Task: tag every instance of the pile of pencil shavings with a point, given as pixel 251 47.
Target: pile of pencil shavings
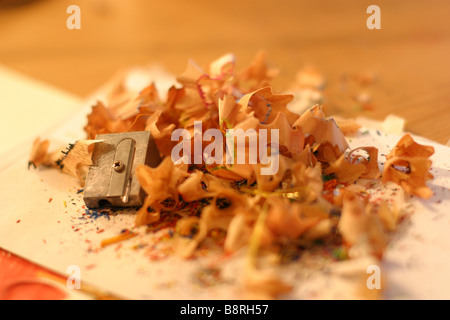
pixel 313 197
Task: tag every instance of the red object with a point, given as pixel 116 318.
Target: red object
pixel 19 280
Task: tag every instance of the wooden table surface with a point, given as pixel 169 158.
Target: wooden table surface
pixel 409 55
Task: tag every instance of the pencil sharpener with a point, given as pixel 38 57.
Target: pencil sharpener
pixel 111 181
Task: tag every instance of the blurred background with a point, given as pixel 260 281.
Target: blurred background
pixel 403 68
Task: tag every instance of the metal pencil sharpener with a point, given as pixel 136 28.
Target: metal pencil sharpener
pixel 111 180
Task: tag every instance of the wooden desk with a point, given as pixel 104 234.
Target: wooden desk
pixel 409 55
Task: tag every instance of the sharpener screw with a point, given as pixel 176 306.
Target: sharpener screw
pixel 118 166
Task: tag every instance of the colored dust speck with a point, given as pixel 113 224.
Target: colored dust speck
pixel 95 214
pixel 160 246
pixel 339 254
pixel 208 277
pixel 368 106
pixel 139 246
pixel 166 285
